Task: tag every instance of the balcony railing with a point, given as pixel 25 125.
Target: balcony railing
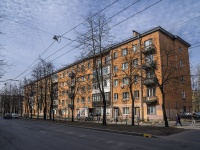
pixel 148 65
pixel 100 103
pixel 150 81
pixel 149 49
pixel 150 100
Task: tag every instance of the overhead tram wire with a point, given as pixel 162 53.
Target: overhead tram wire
pixel 35 24
pixel 109 19
pixel 86 19
pixel 26 25
pixel 82 23
pixel 66 33
pixel 113 26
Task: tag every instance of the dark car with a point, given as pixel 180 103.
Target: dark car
pixel 197 115
pixel 186 115
pixel 7 116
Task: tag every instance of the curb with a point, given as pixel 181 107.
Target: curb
pixel 105 130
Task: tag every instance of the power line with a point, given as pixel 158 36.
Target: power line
pixel 25 25
pixel 86 19
pixel 35 24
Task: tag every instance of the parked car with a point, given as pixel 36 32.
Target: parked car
pixel 7 116
pixel 197 115
pixel 14 115
pixel 186 115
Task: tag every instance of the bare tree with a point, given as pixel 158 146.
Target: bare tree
pixel 93 43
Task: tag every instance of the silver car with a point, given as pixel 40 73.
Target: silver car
pixel 14 115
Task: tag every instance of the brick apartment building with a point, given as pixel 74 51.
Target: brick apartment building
pixel 146 59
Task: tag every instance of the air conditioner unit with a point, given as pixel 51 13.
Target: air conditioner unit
pixel 122 86
pixel 114 74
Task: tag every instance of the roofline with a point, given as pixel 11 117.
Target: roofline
pixel 107 50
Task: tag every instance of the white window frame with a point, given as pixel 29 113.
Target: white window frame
pixel 151 92
pixel 183 94
pixel 115 69
pixel 124 52
pixel 151 110
pixel 115 82
pixel 115 55
pixel 115 96
pixel 125 81
pixel 126 111
pixel 134 47
pixel 125 66
pixel 125 95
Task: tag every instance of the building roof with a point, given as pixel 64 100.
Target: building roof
pixel 107 50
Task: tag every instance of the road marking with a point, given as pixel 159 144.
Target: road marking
pixel 82 136
pixel 42 132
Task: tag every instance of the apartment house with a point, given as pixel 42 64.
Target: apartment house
pixel 138 75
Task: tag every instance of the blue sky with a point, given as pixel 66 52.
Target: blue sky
pixel 23 43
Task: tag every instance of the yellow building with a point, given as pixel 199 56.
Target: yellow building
pixel 145 67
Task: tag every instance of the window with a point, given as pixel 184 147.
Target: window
pixel 95 86
pixel 88 87
pixel 151 92
pixel 107 60
pixel 148 43
pixel 77 67
pixel 125 95
pixel 126 110
pixel 83 89
pixel 125 66
pixel 180 49
pixel 135 63
pixel 181 63
pixel 107 95
pixel 88 65
pixel 135 78
pixel 115 55
pixel 115 68
pixel 83 99
pixel 88 76
pixel 136 93
pixel 183 94
pixel 63 102
pixel 151 110
pixel 115 82
pixel 125 81
pixel 124 52
pixel 77 100
pixel 82 67
pixel 104 83
pixel 115 96
pixel 83 78
pixel 88 99
pixel 134 48
pixel 184 108
pixel 182 78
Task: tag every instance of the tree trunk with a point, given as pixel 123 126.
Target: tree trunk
pixel 132 98
pixel 104 111
pixel 164 112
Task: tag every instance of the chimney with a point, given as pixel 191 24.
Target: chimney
pixel 135 33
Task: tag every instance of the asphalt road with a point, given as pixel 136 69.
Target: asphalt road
pixel 24 134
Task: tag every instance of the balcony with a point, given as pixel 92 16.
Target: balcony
pixel 150 100
pixel 100 103
pixel 150 81
pixel 149 49
pixel 149 65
